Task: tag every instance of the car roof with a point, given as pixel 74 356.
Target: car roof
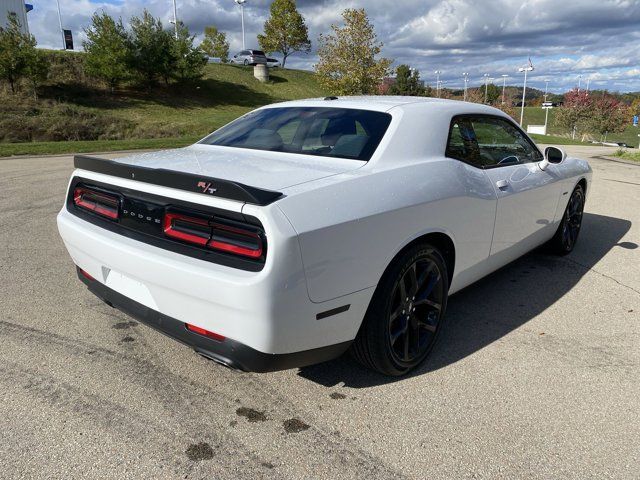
pixel 384 103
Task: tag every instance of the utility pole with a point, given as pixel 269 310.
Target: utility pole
pixel 64 44
pixel 466 82
pixel 504 85
pixel 528 68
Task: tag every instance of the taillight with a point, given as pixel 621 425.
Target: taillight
pixel 202 331
pixel 97 202
pixel 186 228
pixel 225 236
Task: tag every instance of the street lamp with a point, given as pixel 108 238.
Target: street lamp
pixel 546 107
pixel 588 82
pixel 241 4
pixel 504 85
pixel 528 68
pixel 466 82
pixel 438 72
pixel 486 86
pixel 64 44
pixel 175 19
pixel 579 82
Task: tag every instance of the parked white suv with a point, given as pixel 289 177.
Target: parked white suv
pixel 250 57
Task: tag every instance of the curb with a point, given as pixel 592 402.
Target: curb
pixel 618 160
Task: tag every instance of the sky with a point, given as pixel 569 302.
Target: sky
pixel 569 41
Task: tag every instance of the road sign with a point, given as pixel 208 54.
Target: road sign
pixel 635 120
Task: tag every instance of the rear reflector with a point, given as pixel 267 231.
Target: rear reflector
pixel 97 202
pixel 86 275
pixel 206 333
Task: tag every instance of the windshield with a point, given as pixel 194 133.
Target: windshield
pixel 323 131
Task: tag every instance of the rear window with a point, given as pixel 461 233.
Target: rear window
pixel 322 131
pixel 257 52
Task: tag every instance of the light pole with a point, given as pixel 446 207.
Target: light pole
pixel 466 82
pixel 64 44
pixel 486 86
pixel 175 19
pixel 588 82
pixel 579 82
pixel 504 85
pixel 241 3
pixel 437 72
pixel 528 68
pixel 546 107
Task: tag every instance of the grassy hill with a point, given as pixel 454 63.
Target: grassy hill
pixel 132 118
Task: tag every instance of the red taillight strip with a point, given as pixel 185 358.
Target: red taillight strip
pixel 97 202
pixel 233 248
pixel 169 228
pixel 206 333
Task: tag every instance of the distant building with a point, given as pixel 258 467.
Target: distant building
pixel 7 7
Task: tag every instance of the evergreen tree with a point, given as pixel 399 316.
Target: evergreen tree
pixel 189 60
pixel 107 50
pixel 15 48
pixel 152 53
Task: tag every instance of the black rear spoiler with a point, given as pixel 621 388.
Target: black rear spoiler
pixel 182 181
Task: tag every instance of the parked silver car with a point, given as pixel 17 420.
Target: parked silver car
pixel 250 57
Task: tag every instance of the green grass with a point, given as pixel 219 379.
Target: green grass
pixel 633 155
pixel 52 148
pixel 555 140
pixel 535 116
pixel 223 94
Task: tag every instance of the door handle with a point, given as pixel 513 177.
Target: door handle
pixel 502 184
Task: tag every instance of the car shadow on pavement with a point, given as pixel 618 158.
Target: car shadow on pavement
pixel 496 305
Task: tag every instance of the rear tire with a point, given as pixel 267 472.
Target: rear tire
pixel 566 236
pixel 246 62
pixel 405 315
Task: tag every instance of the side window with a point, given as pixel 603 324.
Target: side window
pixel 462 143
pixel 500 143
pixel 486 142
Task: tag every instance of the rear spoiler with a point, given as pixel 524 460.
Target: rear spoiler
pixel 180 180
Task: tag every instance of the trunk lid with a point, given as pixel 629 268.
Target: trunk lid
pixel 256 168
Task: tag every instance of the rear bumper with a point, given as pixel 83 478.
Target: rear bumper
pixel 227 352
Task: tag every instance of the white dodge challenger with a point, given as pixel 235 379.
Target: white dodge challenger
pixel 307 228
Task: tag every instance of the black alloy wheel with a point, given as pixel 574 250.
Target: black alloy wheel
pixel 405 315
pixel 566 236
pixel 415 311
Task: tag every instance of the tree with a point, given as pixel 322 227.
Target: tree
pixel 215 44
pixel 189 60
pixel 152 53
pixel 36 68
pixel 493 93
pixel 285 31
pixel 347 58
pixel 635 106
pixel 107 50
pixel 407 82
pixel 575 112
pixel 15 48
pixel 608 115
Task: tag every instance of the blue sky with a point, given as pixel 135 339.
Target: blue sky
pixel 597 40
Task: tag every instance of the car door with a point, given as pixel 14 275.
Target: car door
pixel 527 195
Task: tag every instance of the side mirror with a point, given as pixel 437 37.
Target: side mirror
pixel 552 155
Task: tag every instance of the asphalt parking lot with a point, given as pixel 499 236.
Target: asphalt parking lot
pixel 537 375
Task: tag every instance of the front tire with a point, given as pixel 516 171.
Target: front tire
pixel 566 236
pixel 405 315
pixel 246 62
